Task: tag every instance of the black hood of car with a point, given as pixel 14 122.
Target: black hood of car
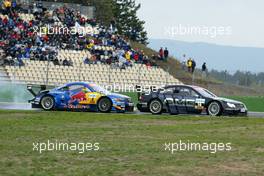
pixel 228 100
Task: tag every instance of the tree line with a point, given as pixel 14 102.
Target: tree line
pixel 243 78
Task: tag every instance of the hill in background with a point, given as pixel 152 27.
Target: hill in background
pixel 217 57
pixel 218 87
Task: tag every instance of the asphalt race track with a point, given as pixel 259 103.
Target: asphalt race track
pixel 15 106
pixel 27 106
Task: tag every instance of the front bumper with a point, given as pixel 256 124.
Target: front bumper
pixel 237 112
pixel 124 107
pixel 142 107
pixel 129 108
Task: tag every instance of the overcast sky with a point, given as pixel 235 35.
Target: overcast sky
pixel 242 20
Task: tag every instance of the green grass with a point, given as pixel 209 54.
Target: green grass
pixel 252 103
pixel 129 144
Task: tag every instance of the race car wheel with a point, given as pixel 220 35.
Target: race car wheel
pixel 47 103
pixel 155 107
pixel 214 109
pixel 104 105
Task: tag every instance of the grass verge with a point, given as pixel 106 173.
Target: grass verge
pixel 129 144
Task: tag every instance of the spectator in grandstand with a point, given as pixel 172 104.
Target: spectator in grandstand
pixel 128 55
pixel 10 61
pixel 14 5
pixel 109 60
pixel 147 61
pixel 20 62
pixel 65 62
pixel 7 5
pixel 161 54
pixel 113 26
pixel 166 53
pixel 86 60
pixel 93 59
pixel 136 57
pixel 128 64
pixel 56 61
pixel 91 22
pixel 37 11
pixel 141 56
pixel 6 62
pixel 189 65
pixel 90 45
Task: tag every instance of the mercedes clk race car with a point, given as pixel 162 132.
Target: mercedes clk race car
pixel 184 99
pixel 81 96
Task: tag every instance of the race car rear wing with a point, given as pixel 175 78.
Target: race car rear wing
pixel 35 89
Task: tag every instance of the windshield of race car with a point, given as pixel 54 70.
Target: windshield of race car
pixel 97 88
pixel 204 92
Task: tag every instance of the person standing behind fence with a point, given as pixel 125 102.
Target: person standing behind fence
pixel 189 65
pixel 161 53
pixel 166 54
pixel 204 71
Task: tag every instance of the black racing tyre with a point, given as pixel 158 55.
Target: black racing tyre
pixel 47 103
pixel 104 105
pixel 214 109
pixel 155 106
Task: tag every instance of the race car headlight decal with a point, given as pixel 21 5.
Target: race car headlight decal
pixel 231 105
pixel 119 99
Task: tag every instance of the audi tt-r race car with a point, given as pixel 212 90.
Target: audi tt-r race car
pixel 184 99
pixel 81 96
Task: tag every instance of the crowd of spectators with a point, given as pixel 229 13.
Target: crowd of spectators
pixel 190 66
pixel 20 39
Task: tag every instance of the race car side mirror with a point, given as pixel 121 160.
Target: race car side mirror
pixel 29 87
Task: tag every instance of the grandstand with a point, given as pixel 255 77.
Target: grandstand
pixel 121 71
pixel 42 72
